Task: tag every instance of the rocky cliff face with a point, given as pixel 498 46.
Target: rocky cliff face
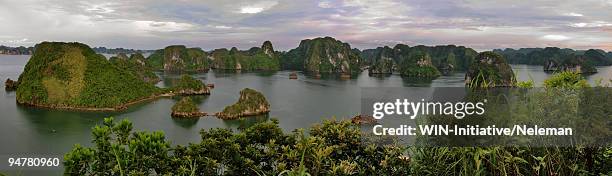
pixel 178 58
pixel 382 62
pixel 322 55
pixel 256 58
pixel 250 103
pixel 490 70
pixel 572 63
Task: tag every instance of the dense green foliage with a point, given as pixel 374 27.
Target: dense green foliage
pixel 418 64
pixel 490 70
pixel 322 55
pixel 73 75
pixel 135 64
pixel 178 58
pixel 539 56
pixel 188 82
pixel 251 102
pixel 263 58
pixel 444 58
pixel 566 80
pixel 331 148
pixel 185 105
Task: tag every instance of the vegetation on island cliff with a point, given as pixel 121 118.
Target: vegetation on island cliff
pixel 490 70
pixel 322 55
pixel 264 58
pixel 178 58
pixel 69 75
pixel 418 64
pixel 445 59
pixel 186 108
pixel 251 102
pixel 188 85
pixel 136 65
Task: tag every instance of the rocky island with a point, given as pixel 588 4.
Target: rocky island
pixel 185 108
pixel 490 70
pixel 136 65
pixel 178 58
pixel 72 76
pixel 264 58
pixel 322 55
pixel 10 85
pixel 250 103
pixel 445 59
pixel 188 85
pixel 571 63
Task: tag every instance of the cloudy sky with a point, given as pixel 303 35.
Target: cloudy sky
pixel 480 24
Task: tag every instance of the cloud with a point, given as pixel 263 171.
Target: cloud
pixel 152 24
pixel 257 7
pixel 553 37
pixel 573 14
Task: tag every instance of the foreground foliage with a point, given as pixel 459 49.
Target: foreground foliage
pixel 331 148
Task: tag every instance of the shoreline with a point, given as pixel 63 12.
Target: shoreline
pixel 119 108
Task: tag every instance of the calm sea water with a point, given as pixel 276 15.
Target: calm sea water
pixel 296 103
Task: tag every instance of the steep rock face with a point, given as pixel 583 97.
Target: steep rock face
pixel 178 58
pixel 267 48
pixel 72 75
pixel 322 55
pixel 383 62
pixel 250 103
pixel 256 58
pixel 490 70
pixel 135 64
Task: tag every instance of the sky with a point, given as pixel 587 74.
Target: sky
pixel 210 24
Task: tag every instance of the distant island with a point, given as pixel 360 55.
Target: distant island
pixel 256 58
pixel 104 50
pixel 21 50
pixel 178 58
pixel 557 59
pixel 430 61
pixel 322 55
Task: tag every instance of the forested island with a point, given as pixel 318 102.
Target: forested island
pixel 72 76
pixel 250 103
pixel 557 59
pixel 256 58
pixel 178 58
pixel 418 61
pixel 322 55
